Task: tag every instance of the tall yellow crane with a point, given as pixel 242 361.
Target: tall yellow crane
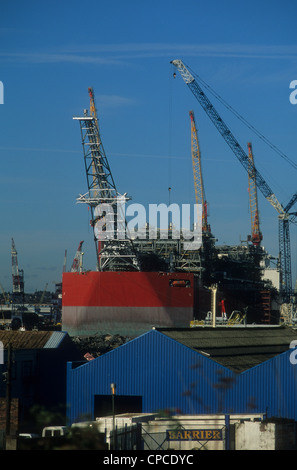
pixel 256 235
pixel 93 111
pixel 197 173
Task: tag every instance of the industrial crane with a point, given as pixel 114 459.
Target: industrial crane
pixel 285 249
pixel 114 249
pixel 6 299
pixel 256 236
pixel 93 112
pixel 17 274
pixel 65 261
pixel 197 172
pixel 283 212
pixel 77 261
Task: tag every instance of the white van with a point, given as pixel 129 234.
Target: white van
pixel 28 435
pixel 54 431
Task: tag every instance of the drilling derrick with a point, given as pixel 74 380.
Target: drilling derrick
pixel 114 249
pixel 17 274
pixel 256 236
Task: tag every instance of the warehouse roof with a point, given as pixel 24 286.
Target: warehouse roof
pixel 237 348
pixel 31 339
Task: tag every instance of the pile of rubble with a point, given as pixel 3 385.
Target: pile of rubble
pixel 96 345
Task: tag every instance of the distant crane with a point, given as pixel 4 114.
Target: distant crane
pixel 17 274
pixel 43 293
pixel 256 236
pixel 77 263
pixel 197 172
pixel 6 299
pixel 65 261
pixel 283 212
pixel 285 249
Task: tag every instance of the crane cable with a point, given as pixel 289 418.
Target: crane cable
pixel 244 121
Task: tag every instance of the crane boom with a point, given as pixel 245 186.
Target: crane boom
pixel 253 197
pixel 227 134
pixel 76 264
pixel 93 109
pixel 197 171
pixel 291 203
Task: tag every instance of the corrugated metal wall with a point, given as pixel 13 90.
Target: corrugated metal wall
pixel 168 375
pixel 271 387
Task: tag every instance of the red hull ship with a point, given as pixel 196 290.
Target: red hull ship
pixel 127 303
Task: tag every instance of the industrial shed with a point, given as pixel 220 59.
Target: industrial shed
pixel 38 373
pixel 190 371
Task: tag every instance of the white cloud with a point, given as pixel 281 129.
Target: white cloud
pixel 118 54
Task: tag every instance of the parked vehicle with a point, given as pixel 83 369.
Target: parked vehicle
pixel 54 431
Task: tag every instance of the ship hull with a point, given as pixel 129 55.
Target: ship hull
pixel 126 303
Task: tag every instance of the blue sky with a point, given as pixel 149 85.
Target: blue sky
pixel 51 52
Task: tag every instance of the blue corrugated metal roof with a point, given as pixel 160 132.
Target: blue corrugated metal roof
pixel 170 375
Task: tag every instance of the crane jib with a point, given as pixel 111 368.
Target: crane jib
pixel 227 134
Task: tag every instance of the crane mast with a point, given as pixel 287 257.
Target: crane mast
pixel 17 274
pixel 197 172
pixel 283 212
pixel 77 261
pixel 93 109
pixel 256 236
pixel 285 250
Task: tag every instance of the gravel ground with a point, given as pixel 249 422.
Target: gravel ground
pixel 97 345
